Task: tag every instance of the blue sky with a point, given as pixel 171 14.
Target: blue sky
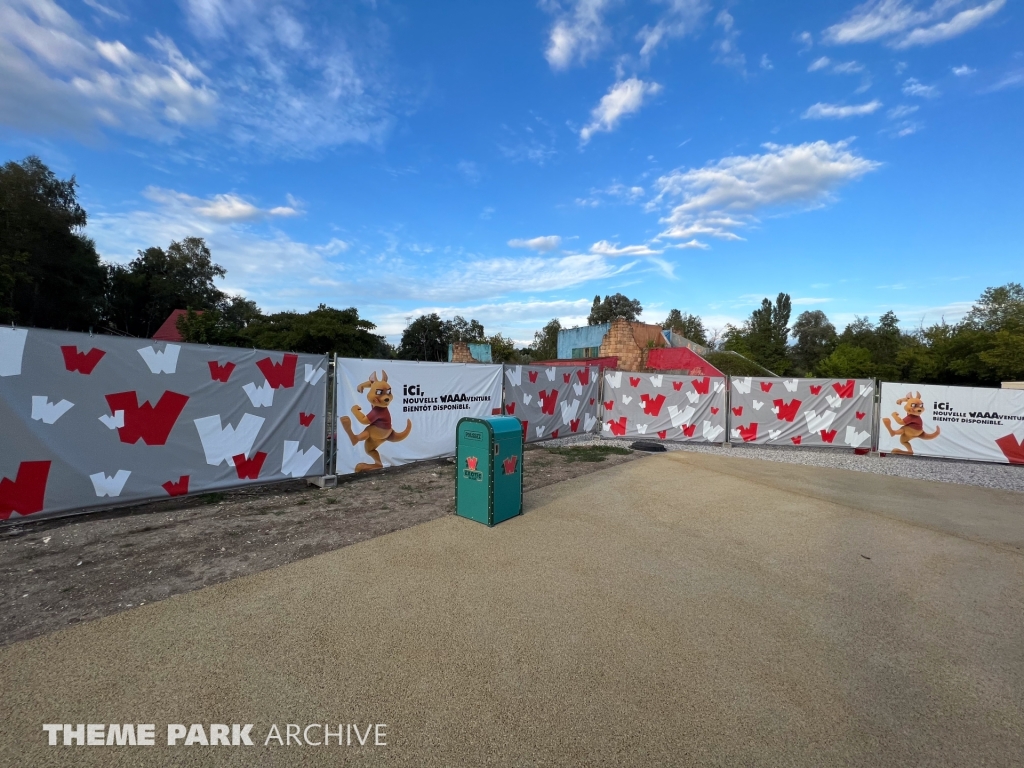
pixel 509 160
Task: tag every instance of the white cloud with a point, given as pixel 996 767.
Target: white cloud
pixel 822 111
pixel 913 87
pixel 903 25
pixel 766 63
pixel 848 68
pixel 806 40
pixel 605 248
pixel 105 10
pixel 963 71
pixel 728 51
pixel 623 98
pixel 724 196
pixel 681 18
pixel 695 243
pixel 278 272
pixel 819 63
pixel 578 34
pixel 901 111
pixel 615 192
pixel 56 76
pixel 1011 79
pixel 225 207
pixel 962 22
pixel 470 171
pixel 539 244
pixel 806 301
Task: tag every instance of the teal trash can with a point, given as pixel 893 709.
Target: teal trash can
pixel 489 469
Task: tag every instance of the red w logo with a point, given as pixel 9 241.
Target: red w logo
pixel 677 385
pixel 471 462
pixel 583 374
pixel 83 362
pixel 305 419
pixel 702 386
pixel 279 374
pixel 688 431
pixel 25 494
pixel 548 401
pixel 220 372
pixel 828 435
pixel 766 386
pixel 574 424
pixel 533 376
pixel 510 408
pixel 179 488
pixel 749 434
pixel 618 427
pixel 844 390
pixel 566 377
pixel 249 469
pixel 1012 450
pixel 510 465
pixel 652 406
pixel 815 389
pixel 787 411
pixel 634 381
pixel 152 424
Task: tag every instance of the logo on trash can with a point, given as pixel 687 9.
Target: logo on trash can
pixel 510 465
pixel 470 472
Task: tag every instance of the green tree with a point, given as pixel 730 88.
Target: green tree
pixel 616 305
pixel 143 293
pixel 424 338
pixel 815 338
pixel 764 337
pixel 324 330
pixel 686 325
pixel 846 362
pixel 545 341
pixel 461 329
pixel 50 273
pixel 503 349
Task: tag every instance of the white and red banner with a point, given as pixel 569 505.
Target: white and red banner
pixel 952 422
pixel 552 401
pixel 663 407
pixel 806 412
pixel 395 412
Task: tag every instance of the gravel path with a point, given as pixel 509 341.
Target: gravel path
pixel 1003 476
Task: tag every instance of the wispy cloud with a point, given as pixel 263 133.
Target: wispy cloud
pixel 57 77
pixel 902 25
pixel 578 33
pixel 619 193
pixel 914 87
pixel 1012 79
pixel 681 17
pixel 901 111
pixel 819 63
pixel 822 111
pixel 605 248
pixel 727 48
pixel 624 98
pixel 540 244
pixel 224 207
pixel 964 71
pixel 722 197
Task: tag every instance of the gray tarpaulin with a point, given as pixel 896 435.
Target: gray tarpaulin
pixel 552 401
pixel 817 412
pixel 663 407
pixel 88 421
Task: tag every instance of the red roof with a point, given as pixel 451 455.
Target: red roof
pixel 680 358
pixel 169 330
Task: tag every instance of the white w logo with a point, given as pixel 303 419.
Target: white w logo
pixel 165 361
pixel 221 443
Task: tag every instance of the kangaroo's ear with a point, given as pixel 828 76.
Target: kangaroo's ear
pixel 373 377
pixel 918 395
pixel 383 375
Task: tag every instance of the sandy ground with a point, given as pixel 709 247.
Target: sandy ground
pixel 60 572
pixel 681 610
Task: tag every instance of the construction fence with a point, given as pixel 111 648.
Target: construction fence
pixel 95 421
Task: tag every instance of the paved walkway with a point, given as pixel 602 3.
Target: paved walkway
pixel 680 610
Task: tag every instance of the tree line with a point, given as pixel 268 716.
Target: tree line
pixel 52 277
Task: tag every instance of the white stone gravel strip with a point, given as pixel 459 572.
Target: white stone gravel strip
pixel 1003 476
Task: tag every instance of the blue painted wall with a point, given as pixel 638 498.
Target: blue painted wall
pixel 479 352
pixel 574 338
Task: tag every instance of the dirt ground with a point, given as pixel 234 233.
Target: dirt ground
pixel 60 572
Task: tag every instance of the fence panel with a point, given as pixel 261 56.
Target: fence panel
pixel 91 421
pixel 552 401
pixel 814 412
pixel 678 408
pixel 395 412
pixel 952 422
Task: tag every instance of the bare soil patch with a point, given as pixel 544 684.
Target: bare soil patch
pixel 60 572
